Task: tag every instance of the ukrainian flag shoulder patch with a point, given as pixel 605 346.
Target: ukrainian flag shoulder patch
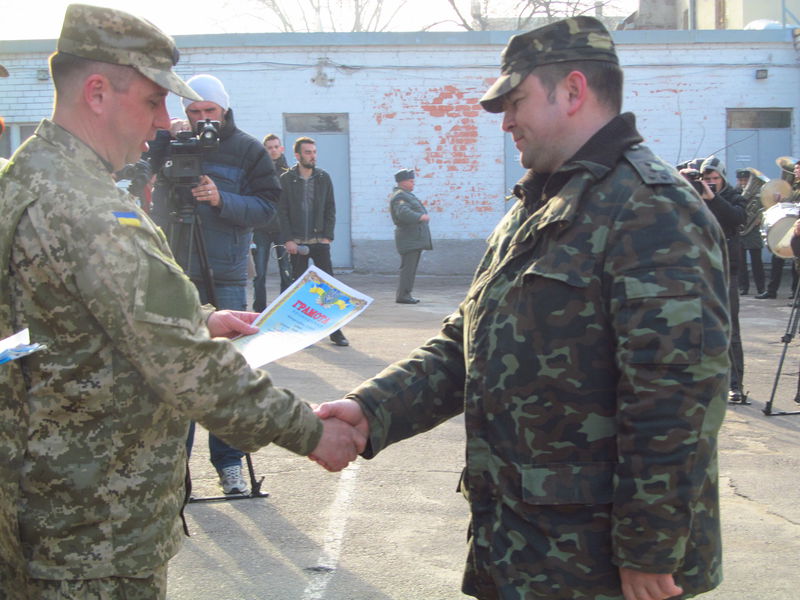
pixel 131 219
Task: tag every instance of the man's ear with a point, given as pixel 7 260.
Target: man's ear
pixel 577 90
pixel 96 90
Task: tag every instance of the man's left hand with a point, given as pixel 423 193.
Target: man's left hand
pixel 230 323
pixel 638 585
pixel 206 191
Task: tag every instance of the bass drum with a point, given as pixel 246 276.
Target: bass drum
pixel 778 227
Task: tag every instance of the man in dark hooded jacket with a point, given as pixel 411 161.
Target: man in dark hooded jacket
pixel 237 192
pixel 728 206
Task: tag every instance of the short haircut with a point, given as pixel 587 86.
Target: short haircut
pixel 298 143
pixel 269 137
pixel 604 78
pixel 68 70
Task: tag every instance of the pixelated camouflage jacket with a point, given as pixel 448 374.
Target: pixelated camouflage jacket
pixel 590 360
pixel 104 411
pixel 410 233
pixel 13 421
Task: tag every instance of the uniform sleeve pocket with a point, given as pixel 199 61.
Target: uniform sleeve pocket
pixel 164 295
pixel 568 483
pixel 665 331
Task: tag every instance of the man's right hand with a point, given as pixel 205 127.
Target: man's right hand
pixel 291 247
pixel 339 445
pixel 346 410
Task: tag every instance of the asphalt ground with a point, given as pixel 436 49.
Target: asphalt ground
pixel 395 528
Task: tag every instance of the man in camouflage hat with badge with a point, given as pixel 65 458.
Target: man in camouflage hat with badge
pixel 589 357
pixel 93 428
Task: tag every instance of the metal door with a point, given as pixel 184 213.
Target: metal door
pixel 331 133
pixel 755 138
pixel 757 148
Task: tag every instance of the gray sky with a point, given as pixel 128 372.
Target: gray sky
pixel 41 19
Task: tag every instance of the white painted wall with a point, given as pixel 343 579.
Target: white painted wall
pixel 412 101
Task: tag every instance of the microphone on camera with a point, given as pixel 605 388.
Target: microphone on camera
pixel 302 249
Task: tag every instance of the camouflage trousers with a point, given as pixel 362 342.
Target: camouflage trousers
pixel 146 586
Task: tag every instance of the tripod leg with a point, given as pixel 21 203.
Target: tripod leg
pixel 791 329
pixel 797 395
pixel 205 266
pixel 188 235
pixel 255 486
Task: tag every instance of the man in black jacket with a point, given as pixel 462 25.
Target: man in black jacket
pixel 237 191
pixel 308 215
pixel 267 238
pixel 728 206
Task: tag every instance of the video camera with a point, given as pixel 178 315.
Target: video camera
pixel 138 174
pixel 178 162
pixel 183 163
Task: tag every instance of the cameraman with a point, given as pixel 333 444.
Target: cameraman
pixel 728 206
pixel 237 191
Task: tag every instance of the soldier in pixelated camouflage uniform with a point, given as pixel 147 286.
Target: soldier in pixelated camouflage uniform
pixel 589 356
pixel 93 429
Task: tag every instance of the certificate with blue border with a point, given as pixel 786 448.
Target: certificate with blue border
pixel 313 307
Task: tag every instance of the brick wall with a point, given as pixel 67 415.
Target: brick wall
pixel 412 100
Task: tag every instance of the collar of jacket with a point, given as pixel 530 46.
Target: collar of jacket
pixel 71 145
pixel 593 160
pixel 229 127
pixel 294 171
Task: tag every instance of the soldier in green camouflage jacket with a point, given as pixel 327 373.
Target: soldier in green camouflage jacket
pixel 589 356
pixel 93 429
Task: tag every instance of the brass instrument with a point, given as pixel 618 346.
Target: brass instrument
pixel 787 163
pixel 754 209
pixel 775 187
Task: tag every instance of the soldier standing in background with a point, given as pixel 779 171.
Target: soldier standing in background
pixel 589 357
pixel 790 172
pixel 411 235
pixel 748 185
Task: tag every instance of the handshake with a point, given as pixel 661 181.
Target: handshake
pixel 344 427
pixel 344 434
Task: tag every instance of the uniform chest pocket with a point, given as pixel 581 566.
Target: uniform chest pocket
pixel 565 264
pixel 164 294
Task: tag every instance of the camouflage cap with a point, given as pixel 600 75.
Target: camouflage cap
pixel 576 38
pixel 403 175
pixel 116 37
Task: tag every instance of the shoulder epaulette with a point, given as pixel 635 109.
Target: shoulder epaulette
pixel 650 168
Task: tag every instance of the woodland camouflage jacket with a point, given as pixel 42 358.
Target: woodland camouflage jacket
pixel 590 360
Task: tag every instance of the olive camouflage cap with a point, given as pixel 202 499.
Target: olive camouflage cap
pixel 576 38
pixel 403 175
pixel 116 37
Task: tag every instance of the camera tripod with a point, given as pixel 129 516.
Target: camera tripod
pixel 791 329
pixel 185 236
